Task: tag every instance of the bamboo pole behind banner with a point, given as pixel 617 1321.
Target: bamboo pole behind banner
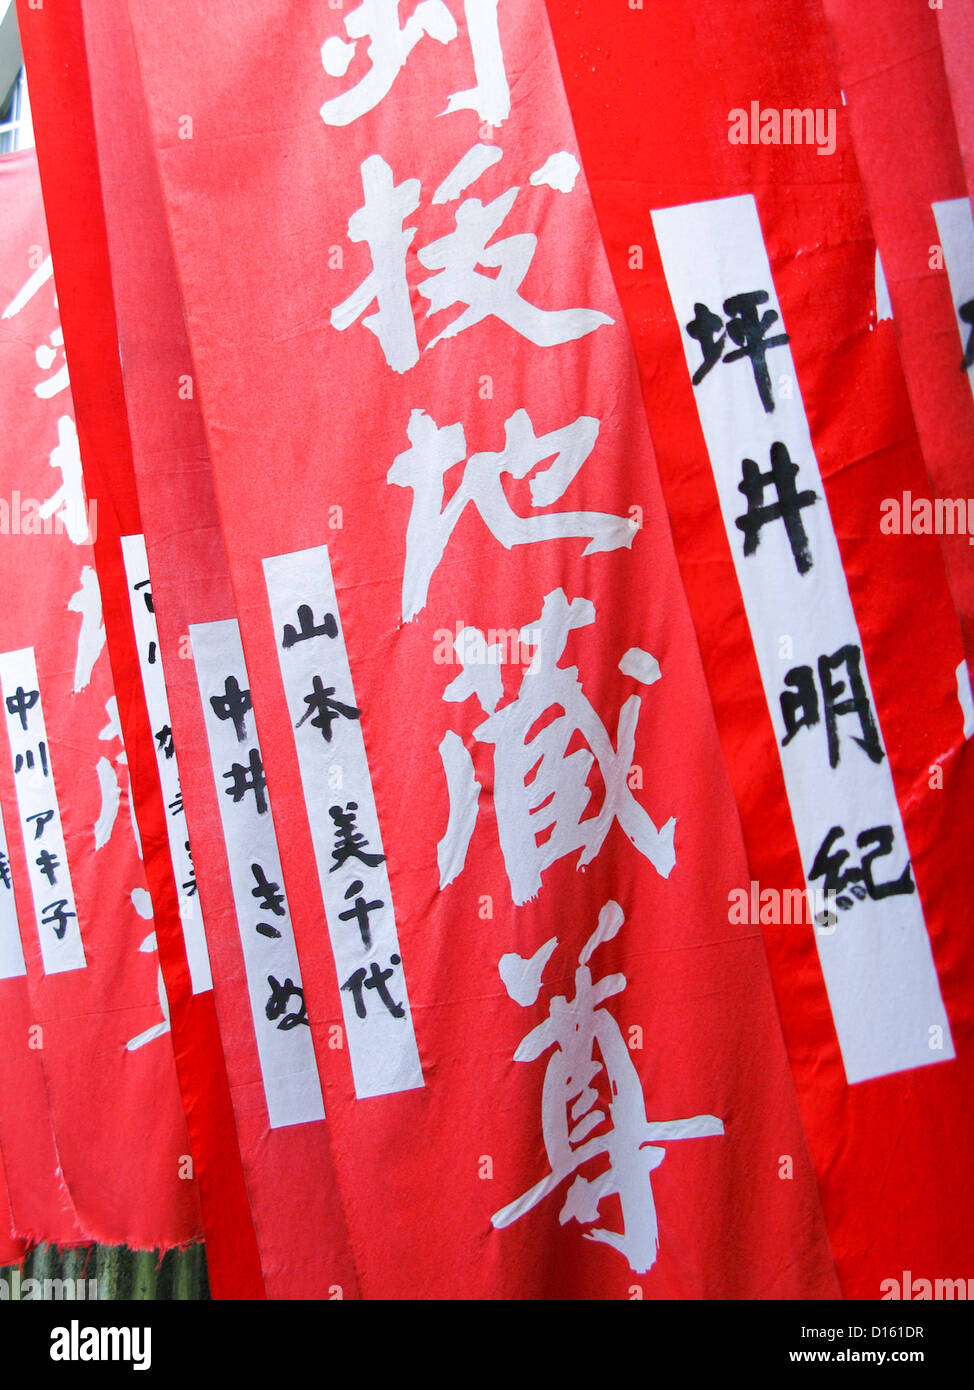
pixel 109 1273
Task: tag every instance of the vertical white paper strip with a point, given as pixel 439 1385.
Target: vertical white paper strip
pixel 12 963
pixel 876 959
pixel 955 227
pixel 292 1087
pixel 58 928
pixel 344 824
pixel 157 703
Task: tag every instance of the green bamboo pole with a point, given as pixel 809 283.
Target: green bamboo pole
pixel 118 1272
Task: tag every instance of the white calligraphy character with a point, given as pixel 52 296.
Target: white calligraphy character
pixel 91 636
pixel 380 223
pixel 456 256
pixel 45 356
pixel 434 451
pixel 390 45
pixel 143 906
pixel 539 787
pixel 575 1126
pixel 112 786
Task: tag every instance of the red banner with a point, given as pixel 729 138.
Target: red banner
pixel 891 63
pixel 737 231
pixel 480 678
pixel 510 839
pixel 39 1202
pixel 85 944
pixel 11 1249
pixel 956 25
pixel 278 1107
pixel 54 48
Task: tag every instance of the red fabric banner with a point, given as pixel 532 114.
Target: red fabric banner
pixel 891 63
pixel 39 1202
pixel 738 237
pixel 11 1249
pixel 97 1017
pixel 56 61
pixel 510 837
pixel 956 24
pixel 300 1228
